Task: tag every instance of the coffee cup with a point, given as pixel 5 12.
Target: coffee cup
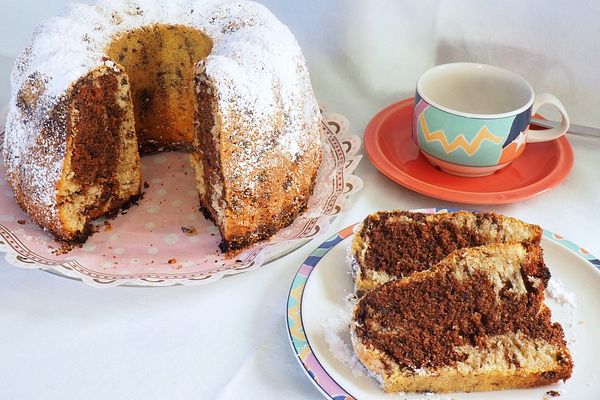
pixel 472 119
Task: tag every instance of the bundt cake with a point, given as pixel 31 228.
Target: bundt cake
pixel 393 244
pixel 224 81
pixel 475 321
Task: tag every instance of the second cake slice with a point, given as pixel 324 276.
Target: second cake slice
pixel 394 244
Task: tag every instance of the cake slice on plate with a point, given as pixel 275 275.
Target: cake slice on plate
pixel 475 321
pixel 394 244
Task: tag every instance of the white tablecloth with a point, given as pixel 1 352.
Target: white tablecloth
pixel 60 339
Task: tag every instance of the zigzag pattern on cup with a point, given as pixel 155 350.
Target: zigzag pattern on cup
pixel 459 142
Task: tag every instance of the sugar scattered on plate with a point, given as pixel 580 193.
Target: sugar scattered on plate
pixel 557 292
pixel 435 396
pixel 336 329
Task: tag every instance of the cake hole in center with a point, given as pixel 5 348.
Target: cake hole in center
pixel 160 61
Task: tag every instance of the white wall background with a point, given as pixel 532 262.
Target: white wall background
pixel 365 54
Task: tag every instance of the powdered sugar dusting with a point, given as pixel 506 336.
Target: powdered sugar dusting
pixel 259 67
pixel 557 292
pixel 434 396
pixel 336 330
pixel 256 68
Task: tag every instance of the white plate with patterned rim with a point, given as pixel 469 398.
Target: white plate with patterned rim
pixel 316 305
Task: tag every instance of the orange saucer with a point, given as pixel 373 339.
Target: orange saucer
pixel 389 145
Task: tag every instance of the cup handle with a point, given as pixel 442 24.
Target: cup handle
pixel 534 136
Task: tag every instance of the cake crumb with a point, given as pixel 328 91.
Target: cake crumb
pixel 107 226
pixel 134 201
pixel 189 230
pixel 21 222
pixel 146 185
pixel 173 263
pixel 551 393
pixel 63 248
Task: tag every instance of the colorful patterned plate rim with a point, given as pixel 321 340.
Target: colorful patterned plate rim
pixel 321 372
pixel 164 240
pixel 389 146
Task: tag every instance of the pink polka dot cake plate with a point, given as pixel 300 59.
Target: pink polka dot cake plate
pixel 164 239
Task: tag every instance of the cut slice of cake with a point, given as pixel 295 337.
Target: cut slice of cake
pixel 394 244
pixel 475 321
